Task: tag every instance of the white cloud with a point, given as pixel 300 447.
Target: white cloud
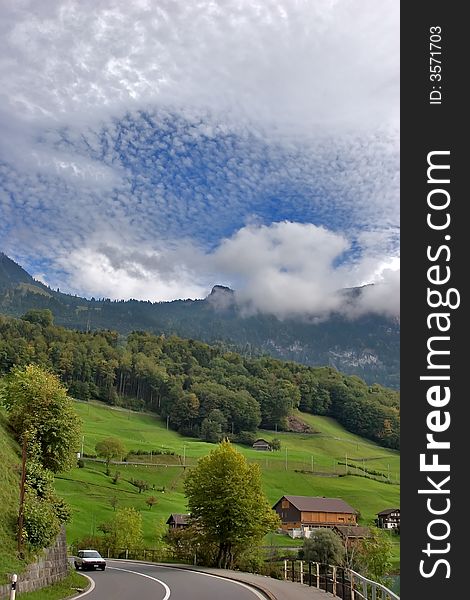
pixel 286 269
pixel 290 269
pixel 300 65
pixel 140 138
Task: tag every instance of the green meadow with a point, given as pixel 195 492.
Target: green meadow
pixel 307 464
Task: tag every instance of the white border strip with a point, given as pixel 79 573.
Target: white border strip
pixel 166 588
pixel 252 589
pixel 89 590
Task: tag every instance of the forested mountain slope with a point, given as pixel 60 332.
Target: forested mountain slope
pixel 367 346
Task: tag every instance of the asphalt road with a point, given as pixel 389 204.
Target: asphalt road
pixel 124 580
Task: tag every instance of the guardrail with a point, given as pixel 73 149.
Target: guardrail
pixel 339 581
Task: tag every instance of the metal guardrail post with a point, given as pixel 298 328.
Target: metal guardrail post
pixel 293 570
pixel 310 573
pixel 285 568
pixel 334 580
pixel 301 571
pixel 353 594
pixel 318 575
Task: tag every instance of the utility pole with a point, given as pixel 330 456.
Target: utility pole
pixel 167 421
pixel 313 463
pixel 286 459
pixel 22 489
pixel 184 456
pixel 83 441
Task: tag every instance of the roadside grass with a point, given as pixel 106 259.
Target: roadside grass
pixel 66 588
pixel 9 502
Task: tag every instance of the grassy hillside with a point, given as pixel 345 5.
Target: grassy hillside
pixel 9 498
pixel 89 490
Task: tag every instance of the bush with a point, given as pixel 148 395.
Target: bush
pixel 323 546
pixel 246 438
pixel 41 523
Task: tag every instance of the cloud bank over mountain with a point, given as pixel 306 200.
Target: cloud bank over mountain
pixel 151 150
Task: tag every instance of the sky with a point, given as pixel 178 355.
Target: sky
pixel 153 149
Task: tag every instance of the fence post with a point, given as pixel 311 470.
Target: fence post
pixel 285 568
pixel 127 553
pixel 364 589
pixel 293 570
pixel 334 580
pixel 343 594
pixel 318 575
pixel 352 585
pixel 14 579
pixel 301 571
pixel 310 573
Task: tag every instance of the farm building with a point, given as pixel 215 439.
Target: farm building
pixel 304 513
pixel 389 519
pixel 261 444
pixel 177 521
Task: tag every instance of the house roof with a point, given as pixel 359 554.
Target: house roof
pixel 351 531
pixel 178 519
pixel 319 504
pixel 261 441
pixel 387 511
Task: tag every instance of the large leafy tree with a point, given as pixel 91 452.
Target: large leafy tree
pixel 225 498
pixel 41 412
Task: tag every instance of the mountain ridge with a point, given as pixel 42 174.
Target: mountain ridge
pixel 367 346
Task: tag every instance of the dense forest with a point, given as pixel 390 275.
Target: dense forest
pixel 367 346
pixel 204 391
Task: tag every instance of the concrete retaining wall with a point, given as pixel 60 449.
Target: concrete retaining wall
pixel 50 567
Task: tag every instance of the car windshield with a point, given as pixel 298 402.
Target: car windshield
pixel 91 554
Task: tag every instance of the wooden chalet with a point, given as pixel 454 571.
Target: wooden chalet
pixel 177 521
pixel 261 444
pixel 389 519
pixel 309 512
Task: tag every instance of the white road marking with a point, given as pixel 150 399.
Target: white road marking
pixel 166 588
pixel 246 586
pixel 90 589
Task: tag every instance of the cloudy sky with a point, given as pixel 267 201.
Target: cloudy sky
pixel 152 149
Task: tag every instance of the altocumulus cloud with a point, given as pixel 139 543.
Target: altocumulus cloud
pixel 150 150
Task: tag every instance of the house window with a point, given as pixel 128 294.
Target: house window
pixel 285 504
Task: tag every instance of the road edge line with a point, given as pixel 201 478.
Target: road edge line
pixel 255 586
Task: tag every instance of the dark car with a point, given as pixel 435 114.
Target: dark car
pixel 89 559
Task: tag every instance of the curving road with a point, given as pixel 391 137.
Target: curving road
pixel 124 580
